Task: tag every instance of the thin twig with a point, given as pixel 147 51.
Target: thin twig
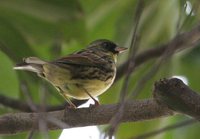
pixel 42 124
pixel 164 129
pixel 29 100
pixel 23 106
pixel 57 122
pixel 195 5
pixel 181 42
pixel 42 120
pixel 141 83
pixel 31 133
pixel 114 122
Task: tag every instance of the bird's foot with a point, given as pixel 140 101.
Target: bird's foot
pixel 69 107
pixel 96 103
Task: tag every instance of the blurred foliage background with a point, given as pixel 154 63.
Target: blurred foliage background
pixel 52 28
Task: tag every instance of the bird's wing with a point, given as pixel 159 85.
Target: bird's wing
pixel 84 59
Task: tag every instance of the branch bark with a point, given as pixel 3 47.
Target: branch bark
pixel 134 111
pixel 169 95
pixel 177 96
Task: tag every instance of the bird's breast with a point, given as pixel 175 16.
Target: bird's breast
pixel 93 73
pixel 95 88
pixel 94 85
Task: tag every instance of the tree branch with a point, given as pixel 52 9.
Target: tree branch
pixel 135 111
pixel 169 95
pixel 177 96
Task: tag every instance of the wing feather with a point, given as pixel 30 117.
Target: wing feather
pixel 82 59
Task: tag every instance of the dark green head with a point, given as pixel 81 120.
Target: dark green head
pixel 106 46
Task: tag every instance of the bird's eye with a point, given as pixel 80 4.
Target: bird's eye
pixel 105 44
pixel 109 46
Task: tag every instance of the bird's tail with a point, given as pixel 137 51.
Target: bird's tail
pixel 33 64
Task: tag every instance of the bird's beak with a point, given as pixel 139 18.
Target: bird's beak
pixel 120 49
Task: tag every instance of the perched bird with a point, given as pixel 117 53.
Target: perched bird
pixel 81 75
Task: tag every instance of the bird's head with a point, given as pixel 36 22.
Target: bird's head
pixel 106 46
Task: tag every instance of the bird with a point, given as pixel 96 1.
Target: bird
pixel 81 75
